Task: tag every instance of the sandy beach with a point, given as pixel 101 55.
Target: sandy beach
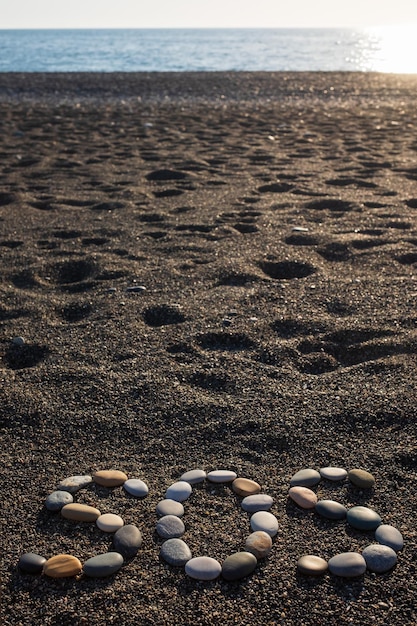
pixel 211 271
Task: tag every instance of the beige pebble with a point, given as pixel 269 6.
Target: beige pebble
pixel 62 566
pixel 109 522
pixel 259 543
pixel 245 487
pixel 303 496
pixel 311 565
pixel 361 478
pixel 80 512
pixel 109 478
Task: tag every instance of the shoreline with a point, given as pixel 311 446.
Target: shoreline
pixel 200 87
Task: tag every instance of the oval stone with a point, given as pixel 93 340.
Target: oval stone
pixel 347 564
pixel 74 483
pixel 379 558
pixel 103 565
pixel 259 543
pixel 170 526
pixel 310 565
pixel 362 479
pixel 303 496
pixel 194 476
pixel 263 520
pixel 245 487
pixel 169 507
pixel 62 566
pixel 258 502
pixel 109 478
pixel 221 476
pixel 239 565
pixel 305 478
pixel 175 552
pixel 333 473
pixel 330 509
pixel 109 522
pixel 127 540
pixel 57 499
pixel 31 563
pixel 80 512
pixel 179 491
pixel 389 536
pixel 362 518
pixel 136 487
pixel 203 568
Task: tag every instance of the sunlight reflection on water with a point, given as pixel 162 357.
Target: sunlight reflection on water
pixel 389 49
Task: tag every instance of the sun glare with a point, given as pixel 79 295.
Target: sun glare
pixel 392 49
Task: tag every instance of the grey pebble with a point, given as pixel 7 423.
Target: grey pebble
pixel 31 563
pixel 127 540
pixel 136 289
pixel 57 499
pixel 305 478
pixel 239 565
pixel 170 526
pixel 194 476
pixel 74 483
pixel 257 502
pixel 379 559
pixel 347 565
pixel 389 536
pixel 175 552
pixel 203 568
pixel 169 507
pixel 330 509
pixel 103 565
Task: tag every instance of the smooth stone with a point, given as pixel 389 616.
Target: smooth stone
pixel 361 478
pixel 170 526
pixel 347 564
pixel 109 478
pixel 74 483
pixel 305 478
pixel 127 540
pixel 57 499
pixel 136 487
pixel 62 566
pixel 245 487
pixel 203 568
pixel 103 565
pixel 379 558
pixel 259 543
pixel 194 476
pixel 80 512
pixel 169 507
pixel 109 522
pixel 333 473
pixel 310 565
pixel 362 518
pixel 175 552
pixel 239 565
pixel 18 341
pixel 263 520
pixel 31 563
pixel 258 502
pixel 221 476
pixel 389 536
pixel 331 509
pixel 179 491
pixel 303 496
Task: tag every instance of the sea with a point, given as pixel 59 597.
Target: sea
pixel 384 49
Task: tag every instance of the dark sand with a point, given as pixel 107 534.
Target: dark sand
pixel 254 348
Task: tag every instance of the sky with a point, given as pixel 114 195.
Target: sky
pixel 204 13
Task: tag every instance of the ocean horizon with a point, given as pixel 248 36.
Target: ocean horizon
pixel 206 49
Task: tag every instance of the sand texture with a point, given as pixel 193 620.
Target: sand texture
pixel 272 220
